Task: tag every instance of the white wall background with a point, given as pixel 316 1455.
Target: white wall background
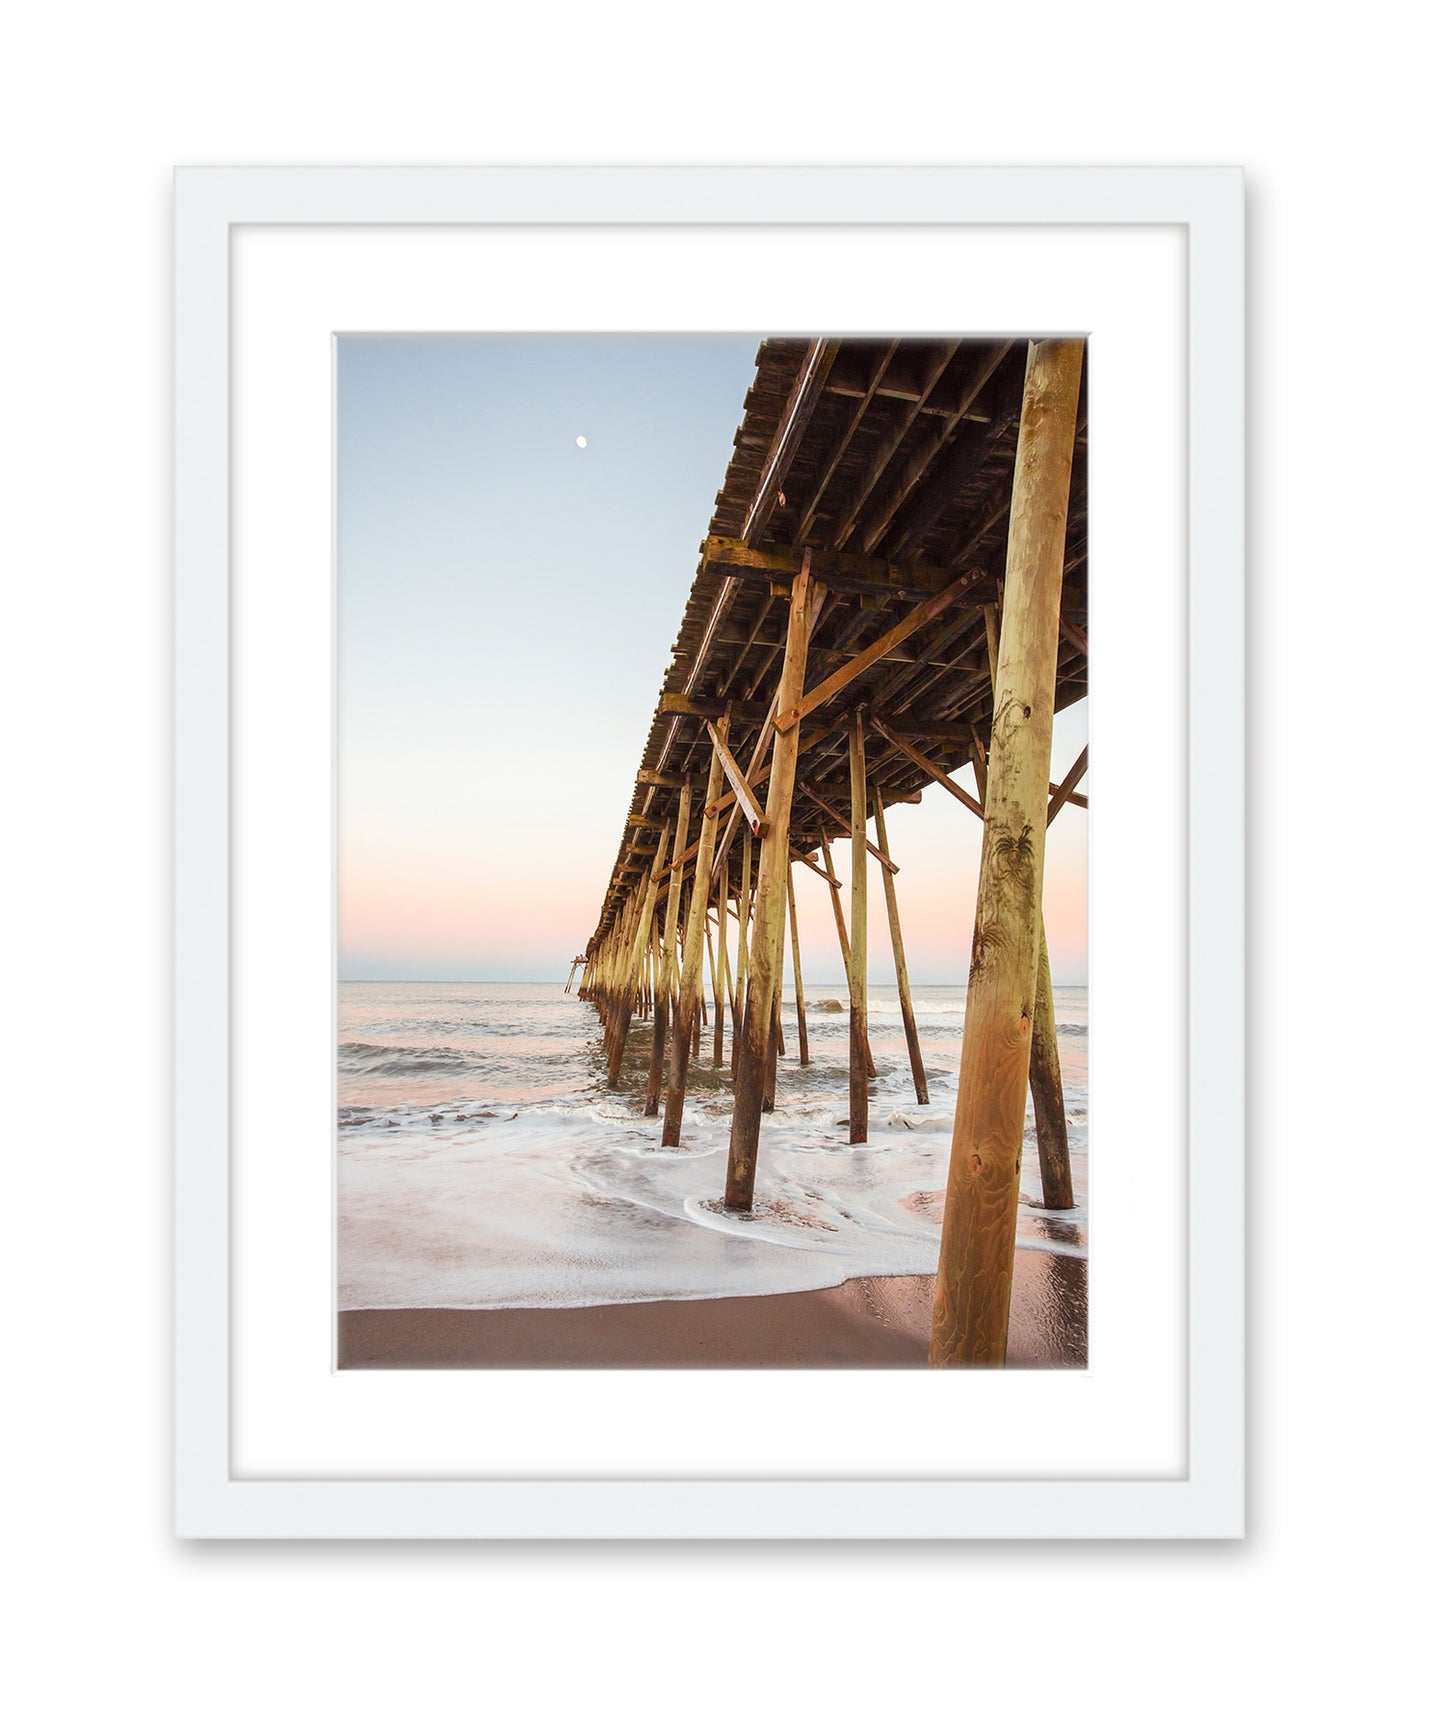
pixel 1319 1620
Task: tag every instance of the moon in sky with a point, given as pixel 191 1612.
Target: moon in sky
pixel 582 439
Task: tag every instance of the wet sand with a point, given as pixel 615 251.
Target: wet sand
pixel 876 1321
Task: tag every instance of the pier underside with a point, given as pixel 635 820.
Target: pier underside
pixel 891 594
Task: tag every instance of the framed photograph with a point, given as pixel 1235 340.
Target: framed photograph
pixel 709 775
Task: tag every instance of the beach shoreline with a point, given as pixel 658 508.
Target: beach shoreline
pixel 866 1322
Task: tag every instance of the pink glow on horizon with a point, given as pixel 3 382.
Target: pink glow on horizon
pixel 485 909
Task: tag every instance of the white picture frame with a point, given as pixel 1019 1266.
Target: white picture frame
pixel 1206 1500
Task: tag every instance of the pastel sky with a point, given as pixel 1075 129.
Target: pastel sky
pixel 507 603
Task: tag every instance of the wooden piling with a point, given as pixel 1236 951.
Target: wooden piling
pixel 720 964
pixel 687 1031
pixel 610 1006
pixel 740 980
pixel 858 948
pixel 636 968
pixel 715 975
pixel 1046 1085
pixel 989 610
pixel 975 1271
pixel 732 997
pixel 843 941
pixel 979 755
pixel 797 972
pixel 611 996
pixel 765 952
pixel 1045 1080
pixel 666 982
pixel 839 920
pixel 900 966
pixel 775 1047
pixel 658 1061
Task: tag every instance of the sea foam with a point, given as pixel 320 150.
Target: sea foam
pixel 499 1171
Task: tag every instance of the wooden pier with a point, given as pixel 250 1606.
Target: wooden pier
pixel 892 593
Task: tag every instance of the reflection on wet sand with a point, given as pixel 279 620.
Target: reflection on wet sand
pixel 1049 1317
pixel 879 1321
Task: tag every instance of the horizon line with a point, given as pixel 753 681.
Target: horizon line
pixel 553 981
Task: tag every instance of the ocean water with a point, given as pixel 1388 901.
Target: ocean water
pixel 483 1162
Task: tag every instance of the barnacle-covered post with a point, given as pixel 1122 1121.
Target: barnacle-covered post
pixel 975 1271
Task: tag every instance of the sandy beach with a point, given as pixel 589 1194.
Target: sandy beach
pixel 879 1321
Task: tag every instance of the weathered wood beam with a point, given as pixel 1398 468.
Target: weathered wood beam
pixel 990 633
pixel 1075 634
pixel 979 754
pixel 744 796
pixel 971 451
pixel 829 653
pixel 850 379
pixel 940 777
pixel 1062 792
pixel 758 773
pixel 956 595
pixel 808 861
pixel 849 574
pixel 682 704
pixel 678 862
pixel 975 1270
pixel 792 425
pixel 887 447
pixel 839 794
pixel 883 516
pixel 820 800
pixel 808 511
pixel 763 610
pixel 956 644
